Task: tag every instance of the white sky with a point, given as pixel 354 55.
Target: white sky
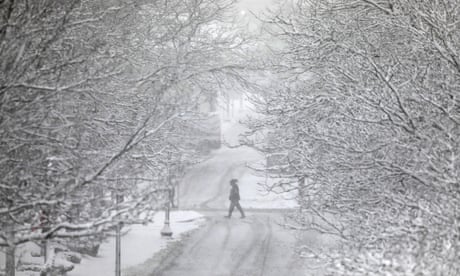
pixel 254 5
pixel 246 7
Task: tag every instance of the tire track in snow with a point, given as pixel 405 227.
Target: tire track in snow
pixel 204 235
pixel 170 262
pixel 224 246
pixel 246 256
pixel 214 228
pixel 227 235
pixel 255 246
pixel 265 248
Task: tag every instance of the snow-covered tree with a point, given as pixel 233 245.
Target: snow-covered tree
pixel 366 118
pixel 91 94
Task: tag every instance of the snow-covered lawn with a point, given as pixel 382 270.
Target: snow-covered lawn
pixel 137 246
pixel 141 243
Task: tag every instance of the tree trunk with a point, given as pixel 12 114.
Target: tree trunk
pixel 10 267
pixel 10 264
pixel 302 191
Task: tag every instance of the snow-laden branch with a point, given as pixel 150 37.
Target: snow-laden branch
pixel 29 205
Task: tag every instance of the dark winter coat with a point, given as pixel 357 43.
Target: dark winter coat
pixel 234 193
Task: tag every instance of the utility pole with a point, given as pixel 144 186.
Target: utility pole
pixel 45 217
pixel 119 199
pixel 118 251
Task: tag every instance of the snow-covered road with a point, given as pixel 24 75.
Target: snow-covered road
pixel 256 245
pixel 206 186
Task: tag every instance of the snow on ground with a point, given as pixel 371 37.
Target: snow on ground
pixel 141 243
pixel 206 185
pixel 24 253
pixel 256 245
pixel 138 245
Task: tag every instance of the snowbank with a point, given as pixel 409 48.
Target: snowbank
pixel 137 246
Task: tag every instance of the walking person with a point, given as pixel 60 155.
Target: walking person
pixel 234 199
